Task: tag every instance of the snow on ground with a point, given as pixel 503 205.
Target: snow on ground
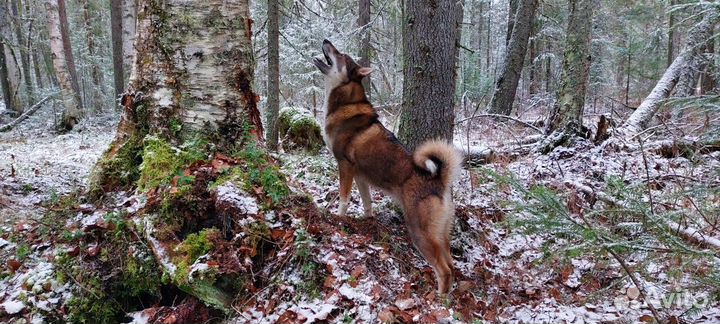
pixel 366 270
pixel 38 164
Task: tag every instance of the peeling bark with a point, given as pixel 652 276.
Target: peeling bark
pixel 694 48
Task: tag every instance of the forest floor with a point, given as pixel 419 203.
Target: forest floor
pixel 530 246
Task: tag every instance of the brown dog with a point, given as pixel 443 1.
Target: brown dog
pixel 369 153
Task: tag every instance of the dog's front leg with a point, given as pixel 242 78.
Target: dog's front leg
pixel 364 189
pixel 346 179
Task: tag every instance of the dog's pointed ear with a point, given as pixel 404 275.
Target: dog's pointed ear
pixel 364 71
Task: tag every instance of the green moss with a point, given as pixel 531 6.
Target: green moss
pixel 194 246
pixel 300 130
pixel 198 244
pixel 92 305
pixel 161 161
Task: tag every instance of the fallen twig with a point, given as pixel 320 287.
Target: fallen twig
pixel 502 116
pixel 25 115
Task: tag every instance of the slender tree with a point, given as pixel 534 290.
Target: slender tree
pixel 273 74
pixel 10 69
pixel 67 47
pixel 363 23
pixel 18 14
pixel 507 82
pixel 568 109
pixel 68 94
pixel 95 72
pixel 512 11
pixel 117 46
pixel 129 17
pixel 430 51
pixel 671 34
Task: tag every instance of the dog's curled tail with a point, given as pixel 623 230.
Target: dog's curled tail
pixel 440 159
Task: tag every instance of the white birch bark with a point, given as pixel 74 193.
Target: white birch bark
pixel 67 93
pixel 642 116
pixel 129 23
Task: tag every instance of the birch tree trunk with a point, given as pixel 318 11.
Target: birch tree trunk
pixel 273 73
pixel 568 109
pixel 430 30
pixel 192 78
pixel 507 83
pixel 68 94
pixel 67 47
pixel 694 48
pixel 184 82
pixel 116 35
pixel 129 20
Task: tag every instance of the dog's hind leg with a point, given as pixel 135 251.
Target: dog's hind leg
pixel 364 189
pixel 346 180
pixel 428 229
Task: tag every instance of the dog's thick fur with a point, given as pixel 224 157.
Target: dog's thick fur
pixel 371 155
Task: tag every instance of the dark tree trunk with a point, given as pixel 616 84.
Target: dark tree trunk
pixel 568 109
pixel 36 68
pixel 534 82
pixel 67 47
pixel 117 46
pixel 23 49
pixel 707 77
pixel 671 36
pixel 507 83
pixel 512 12
pixel 430 30
pixel 4 83
pixel 10 72
pixel 273 74
pixel 95 73
pixel 363 22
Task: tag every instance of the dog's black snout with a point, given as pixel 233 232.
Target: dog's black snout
pixel 325 41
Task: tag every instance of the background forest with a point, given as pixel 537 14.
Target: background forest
pixel 161 161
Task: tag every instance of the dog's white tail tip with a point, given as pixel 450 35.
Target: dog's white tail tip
pixel 431 166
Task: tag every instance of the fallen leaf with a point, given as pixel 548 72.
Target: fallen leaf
pixel 633 293
pixel 13 265
pixel 647 319
pixel 405 304
pixel 386 316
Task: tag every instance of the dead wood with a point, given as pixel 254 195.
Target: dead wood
pixel 29 112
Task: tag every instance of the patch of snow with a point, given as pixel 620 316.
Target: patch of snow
pixel 230 193
pixel 12 306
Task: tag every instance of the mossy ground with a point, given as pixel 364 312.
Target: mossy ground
pixel 299 130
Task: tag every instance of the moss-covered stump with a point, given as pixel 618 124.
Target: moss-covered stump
pixel 299 130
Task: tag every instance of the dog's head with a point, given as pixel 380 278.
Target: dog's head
pixel 339 68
